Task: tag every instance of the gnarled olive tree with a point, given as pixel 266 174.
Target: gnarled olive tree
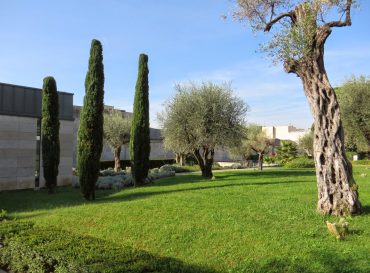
pixel 300 30
pixel 116 133
pixel 200 118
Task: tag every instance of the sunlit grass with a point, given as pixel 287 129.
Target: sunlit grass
pixel 243 221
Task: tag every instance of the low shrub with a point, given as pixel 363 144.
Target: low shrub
pixel 3 215
pixel 361 162
pixel 30 249
pixel 172 168
pixel 155 170
pixel 236 166
pixel 111 172
pixel 126 163
pixel 300 162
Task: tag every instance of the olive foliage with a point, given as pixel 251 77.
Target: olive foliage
pixel 200 118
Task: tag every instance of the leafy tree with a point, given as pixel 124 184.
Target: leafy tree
pixel 50 133
pixel 305 142
pixel 255 141
pixel 354 101
pixel 90 132
pixel 300 29
pixel 200 118
pixel 287 151
pixel 116 133
pixel 140 135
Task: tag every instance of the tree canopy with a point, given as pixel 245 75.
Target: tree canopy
pixel 201 117
pixel 255 141
pixel 354 101
pixel 116 133
pixel 294 24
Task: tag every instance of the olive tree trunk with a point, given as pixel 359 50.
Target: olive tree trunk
pixel 205 160
pixel 117 159
pixel 260 161
pixel 337 190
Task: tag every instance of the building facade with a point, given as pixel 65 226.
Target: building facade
pixel 157 151
pixel 20 127
pixel 284 132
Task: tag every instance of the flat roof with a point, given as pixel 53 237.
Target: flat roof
pixel 18 100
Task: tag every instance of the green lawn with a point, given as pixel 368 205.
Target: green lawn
pixel 243 221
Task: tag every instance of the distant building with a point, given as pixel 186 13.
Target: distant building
pixel 157 151
pixel 284 132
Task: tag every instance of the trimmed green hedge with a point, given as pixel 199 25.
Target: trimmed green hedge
pixel 126 163
pixel 300 162
pixel 30 249
pixel 361 162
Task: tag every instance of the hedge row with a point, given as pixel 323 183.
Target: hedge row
pixel 361 162
pixel 126 163
pixel 29 249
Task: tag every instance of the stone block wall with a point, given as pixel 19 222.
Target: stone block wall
pixel 66 139
pixel 17 152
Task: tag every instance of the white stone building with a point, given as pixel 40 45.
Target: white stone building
pixel 284 132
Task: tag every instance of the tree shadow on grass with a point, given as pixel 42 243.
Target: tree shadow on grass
pixel 28 200
pixel 365 209
pixel 68 252
pixel 321 261
pixel 276 173
pixel 138 195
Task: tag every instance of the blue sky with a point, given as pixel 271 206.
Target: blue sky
pixel 185 40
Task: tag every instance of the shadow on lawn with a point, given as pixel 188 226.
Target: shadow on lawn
pixel 276 173
pixel 29 200
pixel 137 195
pixel 320 261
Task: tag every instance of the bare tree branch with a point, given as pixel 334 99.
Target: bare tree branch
pixel 347 21
pixel 277 19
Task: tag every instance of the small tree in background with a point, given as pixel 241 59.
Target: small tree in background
pixel 50 133
pixel 140 134
pixel 116 133
pixel 354 102
pixel 305 143
pixel 200 118
pixel 255 141
pixel 90 132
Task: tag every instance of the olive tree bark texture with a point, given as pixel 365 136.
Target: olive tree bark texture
pixel 337 190
pixel 117 159
pixel 204 158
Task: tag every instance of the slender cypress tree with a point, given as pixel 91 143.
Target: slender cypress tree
pixel 50 133
pixel 140 138
pixel 90 132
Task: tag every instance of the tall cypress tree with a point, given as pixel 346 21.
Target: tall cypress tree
pixel 90 132
pixel 50 133
pixel 140 138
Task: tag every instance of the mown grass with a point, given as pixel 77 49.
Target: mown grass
pixel 243 221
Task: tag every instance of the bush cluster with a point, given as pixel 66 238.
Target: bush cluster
pixel 300 162
pixel 172 168
pixel 30 249
pixel 361 162
pixel 3 215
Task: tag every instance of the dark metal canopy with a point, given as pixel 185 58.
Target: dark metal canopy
pixel 16 100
